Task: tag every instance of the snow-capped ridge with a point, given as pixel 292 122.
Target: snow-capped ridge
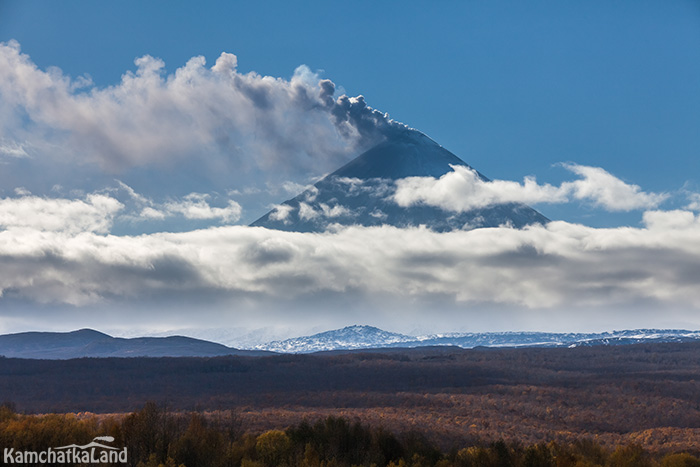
pixel 368 337
pixel 90 343
pixel 347 338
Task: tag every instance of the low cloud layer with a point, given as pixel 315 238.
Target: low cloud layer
pixel 463 190
pixel 553 266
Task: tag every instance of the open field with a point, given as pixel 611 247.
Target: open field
pixel 646 394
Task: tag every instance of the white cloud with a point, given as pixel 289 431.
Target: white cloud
pixel 21 191
pixel 149 213
pixel 334 211
pixel 311 194
pixel 192 206
pixel 293 188
pixel 669 220
pixel 463 190
pixel 378 214
pixel 694 201
pixel 281 212
pixel 224 119
pixel 609 192
pixel 95 213
pixel 133 194
pixel 12 149
pixel 539 267
pixel 247 191
pixel 195 206
pixel 307 212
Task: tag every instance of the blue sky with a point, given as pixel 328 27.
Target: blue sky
pixel 513 88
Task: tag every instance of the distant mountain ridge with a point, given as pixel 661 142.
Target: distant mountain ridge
pixel 91 343
pixel 360 192
pixel 94 344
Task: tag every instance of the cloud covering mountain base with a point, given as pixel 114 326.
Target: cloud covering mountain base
pixel 557 267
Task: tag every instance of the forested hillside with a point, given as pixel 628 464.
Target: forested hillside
pixel 154 437
pixel 646 394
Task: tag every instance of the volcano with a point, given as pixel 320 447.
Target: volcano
pixel 360 193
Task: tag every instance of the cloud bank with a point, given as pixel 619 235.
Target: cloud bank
pixel 553 266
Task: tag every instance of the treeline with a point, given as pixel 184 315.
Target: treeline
pixel 155 437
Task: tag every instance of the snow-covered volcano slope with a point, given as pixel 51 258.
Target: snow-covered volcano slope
pixel 360 193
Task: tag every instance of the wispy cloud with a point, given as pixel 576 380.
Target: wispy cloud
pixel 194 206
pixel 693 201
pixel 12 149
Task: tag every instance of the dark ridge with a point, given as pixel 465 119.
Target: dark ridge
pixel 91 343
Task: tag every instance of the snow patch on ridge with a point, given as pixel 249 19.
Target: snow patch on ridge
pixel 369 337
